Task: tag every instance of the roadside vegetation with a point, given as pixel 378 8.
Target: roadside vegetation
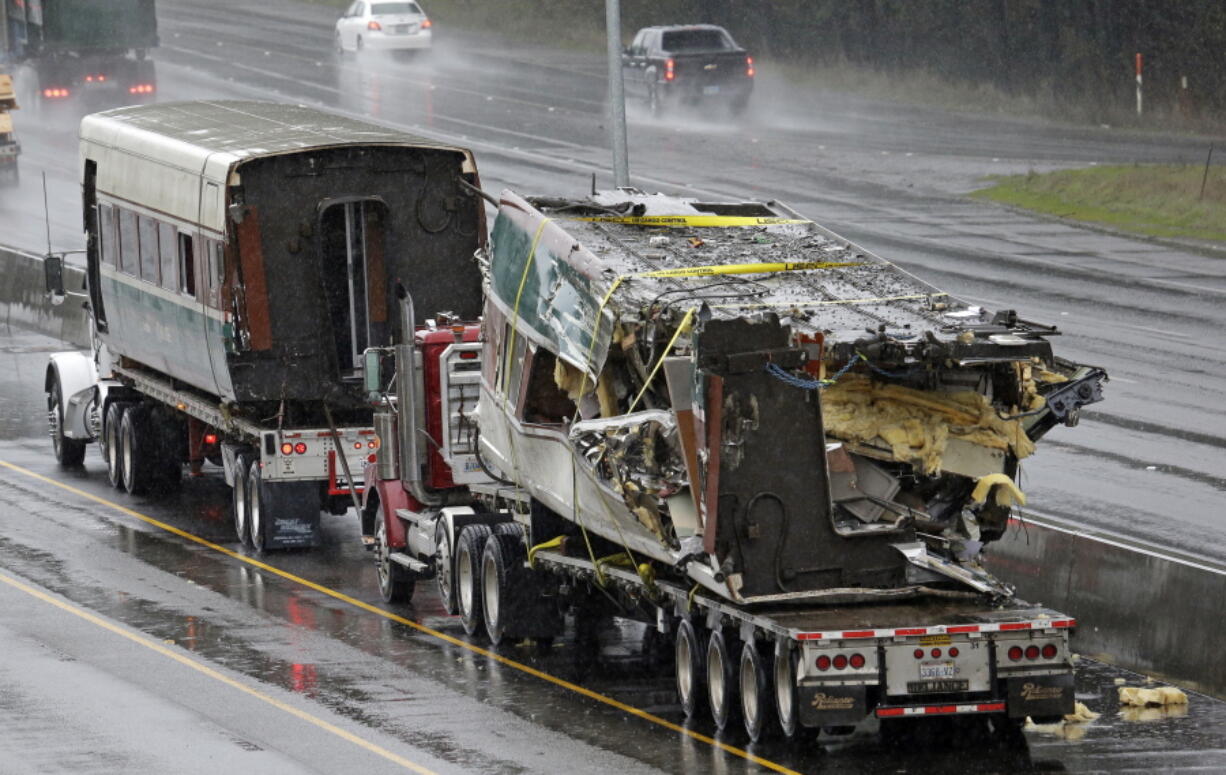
pixel 1154 200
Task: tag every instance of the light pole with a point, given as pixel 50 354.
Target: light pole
pixel 617 94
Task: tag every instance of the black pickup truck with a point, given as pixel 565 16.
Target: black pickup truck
pixel 691 64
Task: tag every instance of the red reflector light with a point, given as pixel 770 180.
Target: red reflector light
pixel 210 438
pixel 427 24
pixel 936 653
pixel 300 448
pixel 919 653
pixel 749 68
pixel 823 662
pixel 287 448
pixel 857 661
pixel 373 25
pixel 670 70
pixel 1032 652
pixel 840 662
pixel 1015 653
pixel 371 458
pixel 1049 651
pixel 953 651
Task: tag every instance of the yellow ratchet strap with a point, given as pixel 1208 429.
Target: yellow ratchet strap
pixel 552 543
pixel 767 268
pixel 699 221
pixel 685 326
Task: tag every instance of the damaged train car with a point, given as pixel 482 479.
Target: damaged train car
pixel 741 396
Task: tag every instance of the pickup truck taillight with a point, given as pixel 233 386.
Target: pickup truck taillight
pixel 670 71
pixel 427 24
pixel 749 68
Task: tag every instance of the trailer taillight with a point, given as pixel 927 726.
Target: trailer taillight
pixel 919 654
pixel 140 88
pixel 1015 653
pixel 1049 651
pixel 300 448
pixel 1032 652
pixel 210 438
pixel 55 93
pixel 99 78
pixel 953 651
pixel 670 69
pixel 749 68
pixel 823 662
pixel 856 661
pixel 287 448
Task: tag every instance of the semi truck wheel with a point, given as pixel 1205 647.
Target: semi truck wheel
pixel 238 500
pixel 396 582
pixel 139 454
pixel 111 446
pixel 786 705
pixel 444 567
pixel 256 523
pixel 721 678
pixel 469 548
pixel 503 585
pixel 68 452
pixel 757 696
pixel 691 669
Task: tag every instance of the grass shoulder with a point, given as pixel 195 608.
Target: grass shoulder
pixel 1154 200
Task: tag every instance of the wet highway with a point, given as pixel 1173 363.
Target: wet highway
pixel 305 632
pixel 143 626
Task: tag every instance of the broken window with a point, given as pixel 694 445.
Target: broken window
pixel 352 236
pixel 544 401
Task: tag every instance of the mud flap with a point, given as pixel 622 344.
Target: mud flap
pixel 1042 695
pixel 292 514
pixel 824 705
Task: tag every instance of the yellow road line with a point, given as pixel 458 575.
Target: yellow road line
pixel 153 645
pixel 532 671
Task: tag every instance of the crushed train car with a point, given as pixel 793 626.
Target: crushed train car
pixel 740 394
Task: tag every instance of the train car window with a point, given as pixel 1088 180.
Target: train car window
pixel 106 234
pixel 129 247
pixel 545 402
pixel 217 268
pixel 148 248
pixel 516 367
pixel 187 265
pixel 167 256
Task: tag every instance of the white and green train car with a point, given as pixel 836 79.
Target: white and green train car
pixel 241 258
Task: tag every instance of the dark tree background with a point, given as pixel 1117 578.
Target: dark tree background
pixel 1066 53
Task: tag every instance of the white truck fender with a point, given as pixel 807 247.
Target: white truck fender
pixel 78 380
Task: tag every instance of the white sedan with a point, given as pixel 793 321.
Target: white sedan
pixel 370 25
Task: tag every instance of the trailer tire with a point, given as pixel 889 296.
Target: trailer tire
pixel 111 446
pixel 469 548
pixel 239 498
pixel 69 453
pixel 257 525
pixel 502 583
pixel 722 678
pixel 396 582
pixel 787 709
pixel 444 567
pixel 691 669
pixel 757 697
pixel 138 452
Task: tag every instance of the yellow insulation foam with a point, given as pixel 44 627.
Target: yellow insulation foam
pixel 1138 697
pixel 917 424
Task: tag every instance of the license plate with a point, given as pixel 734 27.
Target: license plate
pixel 937 670
pixel 710 90
pixel 404 29
pixel 936 687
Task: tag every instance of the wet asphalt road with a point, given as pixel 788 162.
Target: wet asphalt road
pixel 302 652
pixel 1147 464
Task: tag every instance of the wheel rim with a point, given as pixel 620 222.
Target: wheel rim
pixel 254 518
pixel 54 423
pixel 443 571
pixel 749 687
pixel 489 577
pixel 685 668
pixel 240 503
pixel 715 678
pixel 382 558
pixel 112 450
pixel 783 689
pixel 126 432
pixel 465 580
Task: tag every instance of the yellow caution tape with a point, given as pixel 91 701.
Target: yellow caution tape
pixel 701 221
pixel 708 271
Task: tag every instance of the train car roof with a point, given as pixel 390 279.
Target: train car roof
pixel 212 135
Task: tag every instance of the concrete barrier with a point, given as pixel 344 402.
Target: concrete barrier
pixel 24 302
pixel 1137 608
